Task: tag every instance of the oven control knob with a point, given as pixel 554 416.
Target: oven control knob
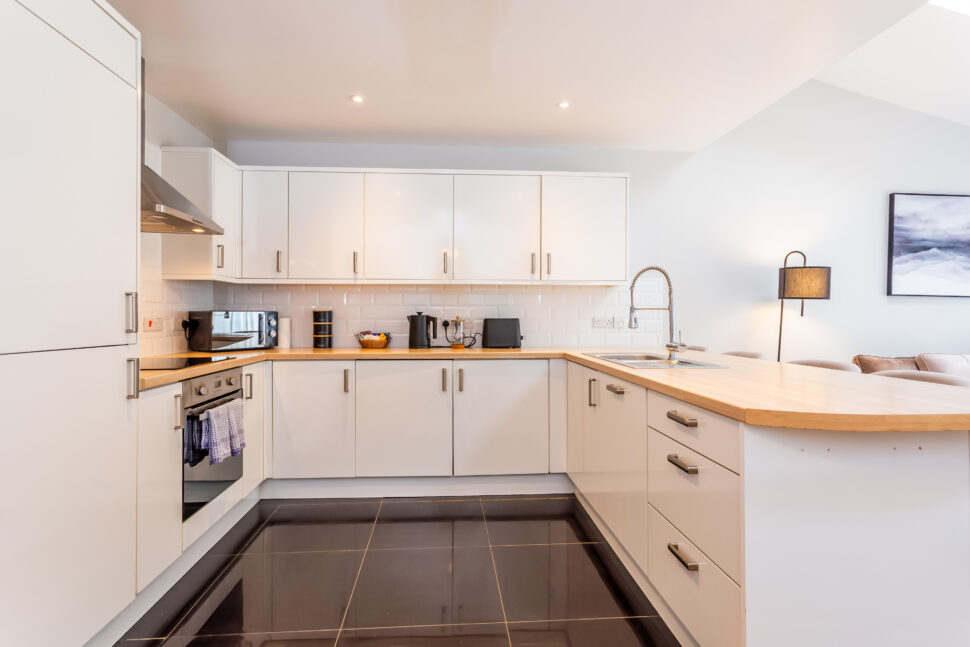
pixel 202 390
pixel 232 381
pixel 272 333
pixel 272 321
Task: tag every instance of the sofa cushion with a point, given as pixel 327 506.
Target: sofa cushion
pixel 874 363
pixel 944 363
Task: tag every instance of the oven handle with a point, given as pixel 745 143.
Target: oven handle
pixel 201 408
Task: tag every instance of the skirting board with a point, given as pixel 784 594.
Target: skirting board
pixel 415 486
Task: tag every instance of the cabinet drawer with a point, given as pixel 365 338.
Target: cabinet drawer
pixel 705 505
pixel 707 433
pixel 707 601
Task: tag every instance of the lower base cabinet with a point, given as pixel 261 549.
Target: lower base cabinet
pixel 159 537
pixel 314 419
pixel 404 418
pixel 501 416
pixel 254 385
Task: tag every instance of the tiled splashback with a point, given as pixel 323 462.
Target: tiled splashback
pixel 550 315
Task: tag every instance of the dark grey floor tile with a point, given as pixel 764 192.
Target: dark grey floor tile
pixel 534 531
pixel 430 524
pixel 555 582
pixel 528 508
pixel 427 586
pixel 317 527
pixel 276 639
pixel 476 635
pixel 587 633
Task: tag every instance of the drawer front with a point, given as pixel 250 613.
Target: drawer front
pixel 701 498
pixel 707 433
pixel 707 601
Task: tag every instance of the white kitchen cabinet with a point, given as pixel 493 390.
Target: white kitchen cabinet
pixel 576 406
pixel 408 226
pixel 501 421
pixel 313 419
pixel 326 233
pixel 68 472
pixel 70 168
pixel 264 224
pixel 584 228
pixel 214 184
pixel 254 386
pixel 404 418
pixel 615 458
pixel 497 227
pixel 159 469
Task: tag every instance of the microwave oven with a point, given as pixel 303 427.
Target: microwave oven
pixel 221 330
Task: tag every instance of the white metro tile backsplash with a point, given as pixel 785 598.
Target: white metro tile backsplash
pixel 550 315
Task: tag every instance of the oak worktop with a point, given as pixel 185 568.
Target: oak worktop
pixel 757 392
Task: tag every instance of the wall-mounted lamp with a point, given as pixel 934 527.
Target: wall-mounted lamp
pixel 805 282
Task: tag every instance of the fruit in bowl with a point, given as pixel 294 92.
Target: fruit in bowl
pixel 370 339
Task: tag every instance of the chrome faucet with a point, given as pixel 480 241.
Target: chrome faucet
pixel 672 347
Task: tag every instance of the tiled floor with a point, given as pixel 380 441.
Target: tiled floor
pixel 468 572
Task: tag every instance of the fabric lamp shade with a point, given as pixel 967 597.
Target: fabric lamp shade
pixel 804 282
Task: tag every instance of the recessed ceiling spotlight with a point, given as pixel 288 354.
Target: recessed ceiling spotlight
pixel 563 104
pixel 357 98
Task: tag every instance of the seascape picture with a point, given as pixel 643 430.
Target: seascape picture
pixel 929 245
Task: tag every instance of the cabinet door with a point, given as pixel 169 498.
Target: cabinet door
pixel 159 481
pixel 70 191
pixel 501 416
pixel 313 419
pixel 264 224
pixel 326 225
pixel 497 227
pixel 68 471
pixel 404 418
pixel 408 226
pixel 227 211
pixel 615 459
pixel 254 410
pixel 576 404
pixel 583 228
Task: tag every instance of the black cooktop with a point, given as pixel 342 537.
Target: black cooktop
pixel 175 363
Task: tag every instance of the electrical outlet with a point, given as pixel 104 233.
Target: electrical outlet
pixel 619 322
pixel 602 322
pixel 153 324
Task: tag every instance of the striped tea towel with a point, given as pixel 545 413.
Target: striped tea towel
pixel 224 431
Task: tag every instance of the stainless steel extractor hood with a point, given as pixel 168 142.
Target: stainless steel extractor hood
pixel 163 209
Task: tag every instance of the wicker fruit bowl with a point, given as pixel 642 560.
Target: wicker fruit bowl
pixel 368 339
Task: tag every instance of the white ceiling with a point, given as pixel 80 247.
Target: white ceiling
pixel 921 63
pixel 652 74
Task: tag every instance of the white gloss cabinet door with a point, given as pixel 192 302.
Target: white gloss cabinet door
pixel 615 459
pixel 326 225
pixel 227 211
pixel 408 226
pixel 313 419
pixel 501 421
pixel 404 418
pixel 68 473
pixel 254 415
pixel 584 228
pixel 70 191
pixel 159 538
pixel 497 227
pixel 264 224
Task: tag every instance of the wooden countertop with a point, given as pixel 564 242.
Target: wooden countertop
pixel 757 392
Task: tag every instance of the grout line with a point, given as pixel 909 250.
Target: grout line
pixel 360 568
pixel 591 619
pixel 498 585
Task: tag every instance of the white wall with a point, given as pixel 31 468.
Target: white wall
pixel 812 172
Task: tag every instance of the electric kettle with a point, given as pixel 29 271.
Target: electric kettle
pixel 422 329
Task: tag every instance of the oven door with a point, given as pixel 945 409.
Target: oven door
pixel 202 482
pixel 235 330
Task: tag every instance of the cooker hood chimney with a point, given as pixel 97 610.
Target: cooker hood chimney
pixel 163 209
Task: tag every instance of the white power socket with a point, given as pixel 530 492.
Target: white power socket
pixel 602 322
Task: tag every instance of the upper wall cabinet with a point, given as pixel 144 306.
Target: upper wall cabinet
pixel 70 176
pixel 584 228
pixel 497 227
pixel 214 184
pixel 264 224
pixel 408 226
pixel 326 232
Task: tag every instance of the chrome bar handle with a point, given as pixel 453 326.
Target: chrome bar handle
pixel 592 381
pixel 549 263
pixel 279 261
pixel 132 365
pixel 178 412
pixel 131 312
pixel 681 419
pixel 444 256
pixel 346 380
pixel 681 464
pixel 220 256
pixel 461 379
pixel 444 379
pixel 355 262
pixel 682 558
pixel 533 262
pixel 249 384
pixel 613 388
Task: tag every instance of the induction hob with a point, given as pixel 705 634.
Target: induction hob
pixel 175 363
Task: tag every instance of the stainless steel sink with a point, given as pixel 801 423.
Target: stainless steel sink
pixel 647 360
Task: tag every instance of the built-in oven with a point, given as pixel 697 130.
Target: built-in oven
pixel 203 482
